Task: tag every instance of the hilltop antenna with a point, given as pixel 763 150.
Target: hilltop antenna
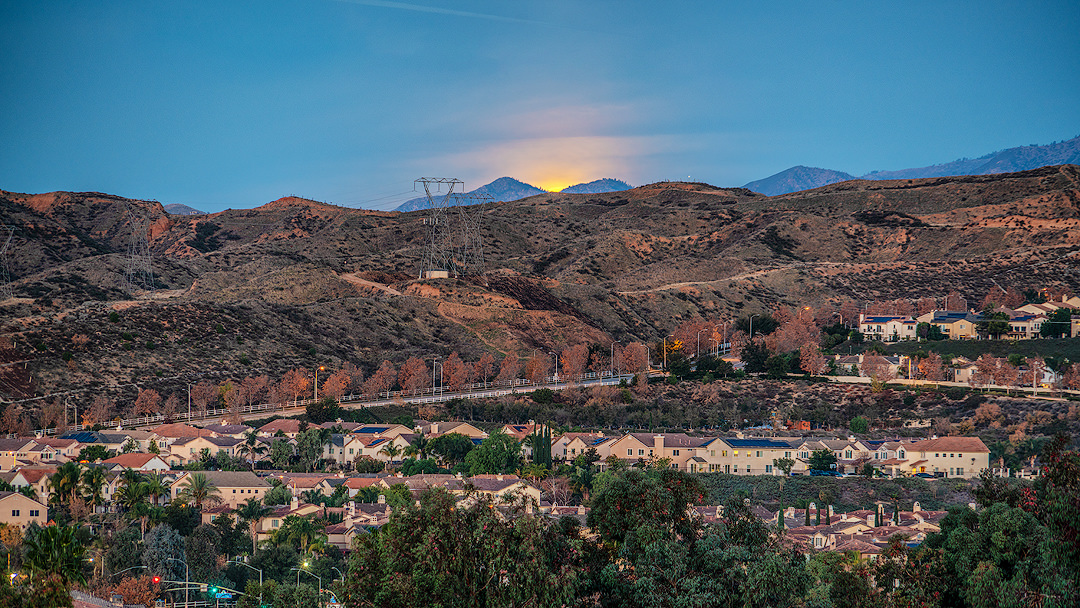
pixel 5 276
pixel 140 269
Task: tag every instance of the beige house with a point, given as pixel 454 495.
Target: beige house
pixel 21 511
pixel 288 426
pixel 17 452
pixel 956 324
pixel 343 449
pixel 189 448
pixel 138 461
pixel 235 487
pixel 35 477
pixel 888 328
pixel 434 429
pixel 382 430
pixel 583 442
pixel 964 457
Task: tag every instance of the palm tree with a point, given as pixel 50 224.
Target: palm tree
pixel 65 481
pixel 391 450
pixel 252 512
pixel 93 481
pixel 56 550
pixel 197 489
pixel 251 447
pixel 419 446
pixel 156 487
pixel 305 533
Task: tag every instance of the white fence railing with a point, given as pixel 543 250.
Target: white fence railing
pixel 435 394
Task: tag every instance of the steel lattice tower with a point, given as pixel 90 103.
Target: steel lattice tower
pixel 5 275
pixel 139 273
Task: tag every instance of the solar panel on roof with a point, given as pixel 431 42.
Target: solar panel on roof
pixel 372 429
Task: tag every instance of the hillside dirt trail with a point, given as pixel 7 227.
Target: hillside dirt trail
pixel 738 277
pixel 355 280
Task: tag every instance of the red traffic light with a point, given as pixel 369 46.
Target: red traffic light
pixel 157 579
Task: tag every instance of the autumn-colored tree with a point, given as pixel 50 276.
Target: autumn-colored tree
pixel 147 403
pixel 171 406
pixel 878 369
pixel 232 393
pixel 635 358
pixel 484 369
pixel 537 368
pixel 509 369
pixel 455 372
pixel 414 375
pixel 382 380
pixel 12 422
pixel 203 395
pixel 985 367
pixel 1071 378
pixel 931 367
pixel 1034 372
pixel 618 361
pixel 694 335
pixel 955 301
pixel 925 305
pixel 295 383
pixel 1004 373
pixel 798 330
pixel 811 360
pixel 739 339
pixel 987 412
pixel 101 409
pixel 138 591
pixel 253 389
pixel 54 415
pixel 574 360
pixel 598 360
pixel 356 377
pixel 336 384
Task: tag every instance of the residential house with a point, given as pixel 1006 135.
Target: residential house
pixel 63 449
pixel 235 487
pixel 964 457
pixel 190 448
pixel 434 429
pixel 290 427
pixel 381 430
pixel 139 461
pixel 273 520
pixel 36 477
pixel 235 431
pixel 955 324
pixel 16 452
pixel 889 328
pixel 583 442
pixel 343 449
pixel 751 456
pixel 21 511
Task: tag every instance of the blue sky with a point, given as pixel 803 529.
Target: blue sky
pixel 232 104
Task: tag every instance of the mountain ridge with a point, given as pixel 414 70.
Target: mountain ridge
pixel 1010 160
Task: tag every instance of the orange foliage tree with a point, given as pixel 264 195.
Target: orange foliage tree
pixel 336 384
pixel 138 590
pixel 509 369
pixel 148 402
pixel 635 357
pixel 485 368
pixel 295 383
pixel 574 360
pixel 414 375
pixel 382 380
pixel 537 368
pixel 931 367
pixel 811 360
pixel 455 372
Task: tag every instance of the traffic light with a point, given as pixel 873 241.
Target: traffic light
pixel 157 579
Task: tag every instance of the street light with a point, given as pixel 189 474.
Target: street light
pixel 298 571
pixel 334 568
pixel 187 576
pixel 315 395
pixel 752 326
pixel 556 366
pixel 613 343
pixel 237 561
pixel 665 349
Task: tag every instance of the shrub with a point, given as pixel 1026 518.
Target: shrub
pixel 114 317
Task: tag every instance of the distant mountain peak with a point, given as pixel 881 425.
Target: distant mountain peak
pixel 180 209
pixel 797 178
pixel 606 184
pixel 501 189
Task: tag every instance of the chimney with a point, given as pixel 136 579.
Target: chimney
pixel 658 445
pixel 581 510
pixel 295 502
pixel 499 477
pixel 916 507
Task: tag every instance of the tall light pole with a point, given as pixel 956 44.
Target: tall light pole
pixel 189 404
pixel 556 366
pixel 298 571
pixel 613 343
pixel 752 326
pixel 187 577
pixel 665 349
pixel 237 561
pixel 697 353
pixel 315 395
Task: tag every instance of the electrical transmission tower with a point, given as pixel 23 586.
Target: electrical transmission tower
pixel 5 275
pixel 439 255
pixel 140 271
pixel 454 245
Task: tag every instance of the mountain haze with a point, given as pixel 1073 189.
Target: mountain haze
pixel 599 186
pixel 1022 158
pixel 502 189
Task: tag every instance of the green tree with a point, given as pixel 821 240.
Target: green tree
pixel 201 552
pixel 755 356
pixel 93 453
pixel 306 534
pixel 309 446
pixel 859 425
pixel 451 447
pixel 323 410
pixel 1057 324
pixel 498 453
pixel 784 464
pixel 993 324
pixel 281 452
pixel 196 489
pixel 161 547
pixel 822 460
pixel 251 448
pixel 250 513
pixel 56 550
pixel 278 495
pixel 419 447
pixel 93 482
pixel 66 482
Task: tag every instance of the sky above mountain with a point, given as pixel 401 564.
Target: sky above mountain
pixel 234 104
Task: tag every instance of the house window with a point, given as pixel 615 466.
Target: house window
pixel 736 469
pixel 14 512
pixel 936 455
pixel 768 468
pixel 787 454
pixel 234 491
pixel 902 453
pixel 629 452
pixel 35 513
pixel 712 453
pixel 736 453
pixel 759 453
pixel 350 451
pixel 725 454
pixel 848 454
pixel 274 523
pixel 675 452
pixel 959 470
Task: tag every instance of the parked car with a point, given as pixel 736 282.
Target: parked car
pixel 817 473
pixel 925 475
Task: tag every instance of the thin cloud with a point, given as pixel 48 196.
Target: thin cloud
pixel 405 6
